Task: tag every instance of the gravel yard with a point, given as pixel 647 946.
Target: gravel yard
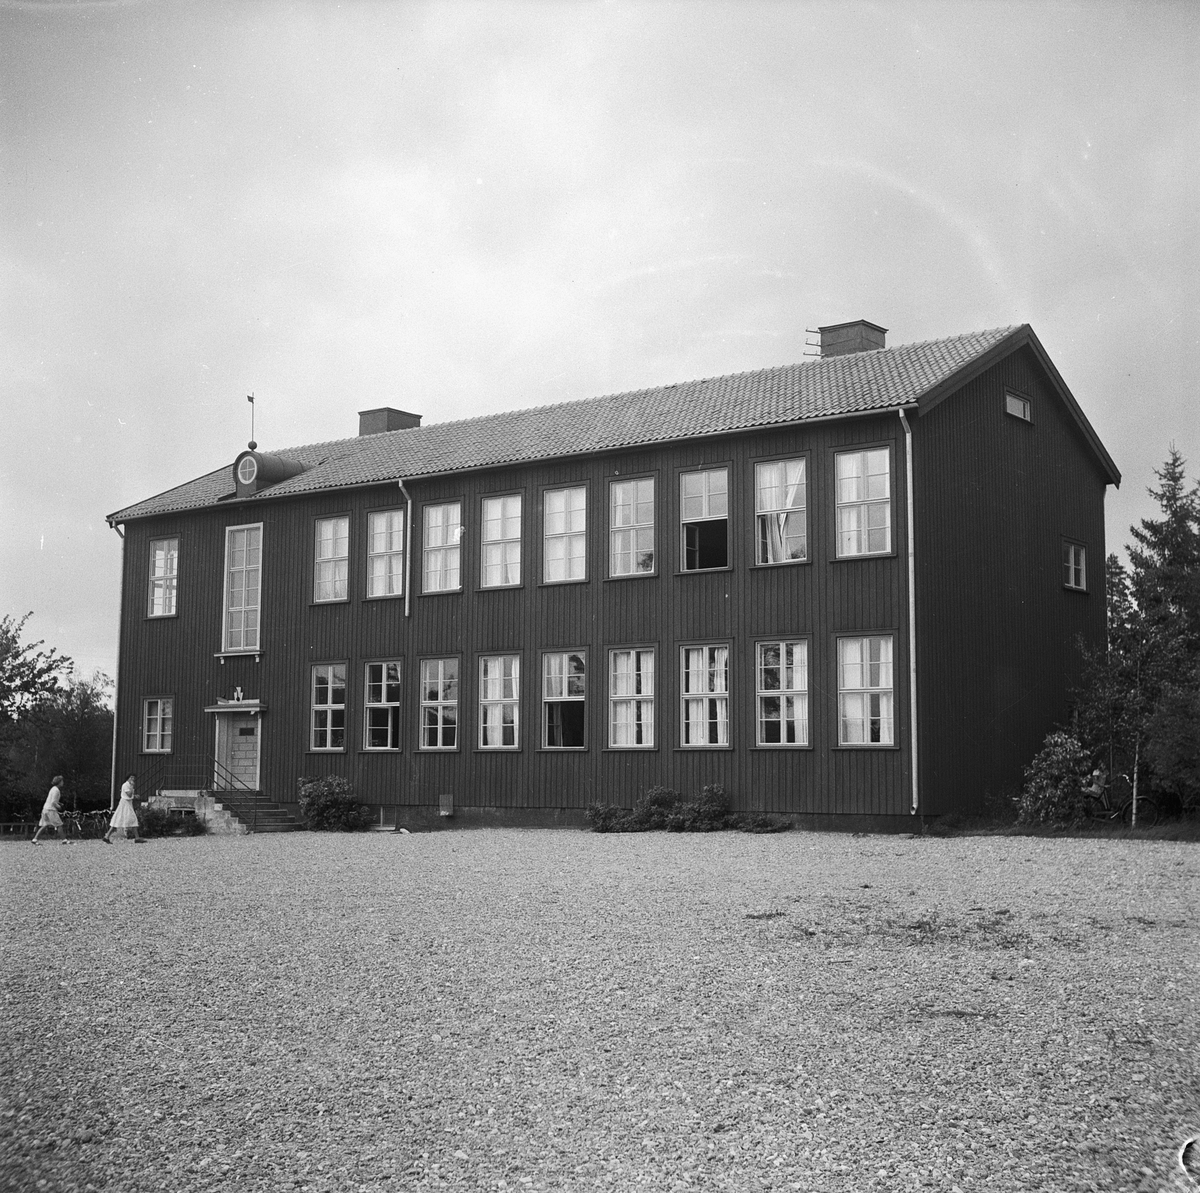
pixel 507 1009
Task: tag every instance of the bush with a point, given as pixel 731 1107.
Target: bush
pixel 154 821
pixel 663 809
pixel 329 803
pixel 1054 780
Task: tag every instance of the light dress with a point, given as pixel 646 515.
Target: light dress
pixel 125 816
pixel 50 809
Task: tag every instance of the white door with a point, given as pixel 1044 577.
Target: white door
pixel 237 752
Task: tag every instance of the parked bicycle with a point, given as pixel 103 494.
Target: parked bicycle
pixel 1105 804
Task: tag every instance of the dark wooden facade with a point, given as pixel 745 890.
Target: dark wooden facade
pixel 996 629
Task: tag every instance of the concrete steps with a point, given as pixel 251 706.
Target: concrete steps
pixel 257 815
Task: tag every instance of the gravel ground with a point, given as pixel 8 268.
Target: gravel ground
pixel 558 1010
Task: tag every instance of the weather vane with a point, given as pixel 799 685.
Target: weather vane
pixel 251 445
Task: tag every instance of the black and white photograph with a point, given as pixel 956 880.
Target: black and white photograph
pixel 600 595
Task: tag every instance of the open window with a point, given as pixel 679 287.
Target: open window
pixel 704 514
pixel 564 700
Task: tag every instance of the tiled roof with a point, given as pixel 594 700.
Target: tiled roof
pixel 841 385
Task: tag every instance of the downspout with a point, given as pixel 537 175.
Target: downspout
pixel 912 606
pixel 112 790
pixel 407 550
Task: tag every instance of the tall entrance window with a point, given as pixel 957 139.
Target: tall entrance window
pixel 243 581
pixel 164 573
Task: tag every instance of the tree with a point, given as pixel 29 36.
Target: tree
pixel 26 672
pixel 65 731
pixel 1136 708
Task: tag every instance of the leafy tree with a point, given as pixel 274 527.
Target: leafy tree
pixel 26 672
pixel 67 731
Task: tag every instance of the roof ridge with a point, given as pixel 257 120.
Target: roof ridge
pixel 649 389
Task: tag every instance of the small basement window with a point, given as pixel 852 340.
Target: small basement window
pixel 1018 406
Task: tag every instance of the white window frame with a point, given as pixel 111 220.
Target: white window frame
pixel 331 559
pixel 1018 406
pixel 563 685
pixel 385 553
pixel 380 702
pixel 631 526
pixel 441 548
pixel 498 694
pixel 704 689
pixel 238 641
pixel 773 520
pixel 789 690
pixel 158 726
pixel 1074 562
pixel 631 710
pixel 564 530
pixel 873 691
pixel 713 507
pixel 324 718
pixel 858 502
pixel 433 670
pixel 499 541
pixel 164 577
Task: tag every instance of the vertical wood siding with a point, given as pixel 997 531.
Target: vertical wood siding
pixel 998 634
pixel 817 600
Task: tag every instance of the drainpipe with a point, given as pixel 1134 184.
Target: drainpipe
pixel 912 606
pixel 407 550
pixel 112 790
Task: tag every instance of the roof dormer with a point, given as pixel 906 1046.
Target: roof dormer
pixel 254 471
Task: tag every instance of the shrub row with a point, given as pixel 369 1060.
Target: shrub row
pixel 661 809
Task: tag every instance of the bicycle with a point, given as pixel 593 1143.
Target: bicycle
pixel 1101 806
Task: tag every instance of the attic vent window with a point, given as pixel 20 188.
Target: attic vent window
pixel 1018 407
pixel 247 470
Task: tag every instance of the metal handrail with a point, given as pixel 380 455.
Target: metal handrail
pixel 200 772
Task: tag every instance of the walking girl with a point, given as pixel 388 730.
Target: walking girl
pixel 50 817
pixel 124 817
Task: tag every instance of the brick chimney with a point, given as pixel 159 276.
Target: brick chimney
pixel 838 339
pixel 384 418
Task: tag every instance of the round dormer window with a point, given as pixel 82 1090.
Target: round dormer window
pixel 247 470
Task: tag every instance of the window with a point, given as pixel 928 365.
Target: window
pixel 381 730
pixel 1075 566
pixel 704 512
pixel 331 559
pixel 564 679
pixel 565 556
pixel 385 553
pixel 864 503
pixel 631 533
pixel 865 691
pixel 329 706
pixel 158 725
pixel 501 541
pixel 705 695
pixel 631 698
pixel 783 693
pixel 1018 406
pixel 442 546
pixel 780 511
pixel 164 572
pixel 439 704
pixel 243 580
pixel 499 701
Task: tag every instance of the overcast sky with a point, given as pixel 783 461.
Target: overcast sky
pixel 462 208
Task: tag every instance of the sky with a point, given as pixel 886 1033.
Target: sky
pixel 462 208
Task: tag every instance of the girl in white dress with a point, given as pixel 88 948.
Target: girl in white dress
pixel 124 817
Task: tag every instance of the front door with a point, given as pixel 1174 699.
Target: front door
pixel 237 752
